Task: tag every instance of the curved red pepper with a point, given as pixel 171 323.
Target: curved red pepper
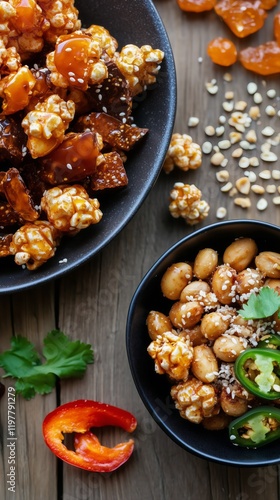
pixel 79 417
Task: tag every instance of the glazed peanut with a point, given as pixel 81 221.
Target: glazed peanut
pixel 204 364
pixel 158 324
pixel 269 264
pixel 213 325
pixel 185 314
pixel 240 253
pixel 205 263
pixel 175 278
pixel 228 347
pixel 223 284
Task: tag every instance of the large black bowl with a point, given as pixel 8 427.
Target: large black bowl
pixel 153 388
pixel 139 23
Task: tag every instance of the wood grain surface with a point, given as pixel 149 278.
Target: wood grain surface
pixel 91 304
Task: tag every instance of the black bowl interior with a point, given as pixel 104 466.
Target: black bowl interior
pixel 154 389
pixel 129 22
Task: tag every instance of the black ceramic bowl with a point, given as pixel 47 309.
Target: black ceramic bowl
pixel 153 388
pixel 134 22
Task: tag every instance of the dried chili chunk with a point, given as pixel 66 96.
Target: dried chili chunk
pixel 196 5
pixel 112 96
pixel 5 241
pixel 110 173
pixel 18 196
pixel 73 160
pixel 263 59
pixel 117 134
pixel 243 18
pixel 12 141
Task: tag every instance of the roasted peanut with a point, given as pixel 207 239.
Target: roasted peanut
pixel 185 314
pixel 196 290
pixel 216 422
pixel 194 335
pixel 273 283
pixel 157 324
pixel 223 283
pixel 240 253
pixel 213 325
pixel 175 278
pixel 205 263
pixel 248 280
pixel 233 406
pixel 204 364
pixel 269 264
pixel 228 347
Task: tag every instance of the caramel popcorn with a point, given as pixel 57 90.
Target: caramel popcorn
pixel 172 355
pixel 195 400
pixel 140 65
pixel 69 208
pixel 186 202
pixel 45 126
pixel 182 153
pixel 34 243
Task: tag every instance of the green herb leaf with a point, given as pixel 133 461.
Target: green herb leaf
pixel 63 358
pixel 261 305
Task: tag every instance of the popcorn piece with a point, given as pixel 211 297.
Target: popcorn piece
pixel 172 355
pixel 186 202
pixel 76 61
pixel 34 243
pixel 105 40
pixel 183 153
pixel 140 65
pixel 62 17
pixel 69 208
pixel 195 400
pixel 46 124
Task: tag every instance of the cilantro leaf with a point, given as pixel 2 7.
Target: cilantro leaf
pixel 261 305
pixel 63 358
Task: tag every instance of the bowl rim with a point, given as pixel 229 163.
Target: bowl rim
pixel 171 434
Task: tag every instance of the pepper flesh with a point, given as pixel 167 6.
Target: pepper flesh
pixel 79 417
pixel 257 371
pixel 256 428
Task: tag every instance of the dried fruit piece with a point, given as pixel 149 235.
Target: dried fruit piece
pixel 119 135
pixel 12 141
pixel 16 89
pixel 72 160
pixel 18 196
pixel 222 51
pixel 243 18
pixel 276 27
pixel 8 216
pixel 110 173
pixel 5 245
pixel 263 59
pixel 196 5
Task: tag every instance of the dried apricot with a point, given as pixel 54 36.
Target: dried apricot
pixel 196 5
pixel 263 59
pixel 243 18
pixel 268 4
pixel 222 51
pixel 276 27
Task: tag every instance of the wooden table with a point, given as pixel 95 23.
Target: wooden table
pixel 91 303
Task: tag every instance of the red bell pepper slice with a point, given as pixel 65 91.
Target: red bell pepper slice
pixel 79 417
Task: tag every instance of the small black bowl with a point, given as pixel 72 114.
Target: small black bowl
pixel 139 23
pixel 154 389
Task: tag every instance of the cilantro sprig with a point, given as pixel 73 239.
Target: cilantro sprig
pixel 63 358
pixel 261 305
